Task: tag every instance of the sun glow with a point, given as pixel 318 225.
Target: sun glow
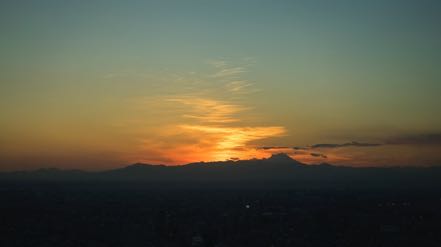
pixel 233 142
pixel 203 129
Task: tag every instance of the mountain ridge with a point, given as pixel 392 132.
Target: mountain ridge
pixel 279 169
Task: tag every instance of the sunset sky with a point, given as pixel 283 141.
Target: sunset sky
pixel 101 84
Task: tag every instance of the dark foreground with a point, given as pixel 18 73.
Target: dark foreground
pixel 131 214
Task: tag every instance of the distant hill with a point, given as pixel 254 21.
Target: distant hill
pixel 278 170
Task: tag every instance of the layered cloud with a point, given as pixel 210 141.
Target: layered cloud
pixel 326 146
pixel 231 142
pixel 408 149
pixel 204 116
pixel 202 125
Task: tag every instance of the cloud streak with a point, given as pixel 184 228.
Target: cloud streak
pixel 348 144
pixel 320 155
pixel 238 86
pixel 208 124
pixel 408 149
pixel 229 72
pixel 326 146
pixel 230 75
pixel 209 110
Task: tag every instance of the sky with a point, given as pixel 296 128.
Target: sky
pixel 101 84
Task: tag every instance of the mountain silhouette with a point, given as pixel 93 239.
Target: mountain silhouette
pixel 279 169
pixel 281 158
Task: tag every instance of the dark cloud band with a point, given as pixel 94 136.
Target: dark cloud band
pixel 325 145
pixel 423 139
pixel 348 144
pixel 417 140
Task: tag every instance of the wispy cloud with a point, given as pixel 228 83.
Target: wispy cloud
pixel 218 63
pixel 241 86
pixel 210 123
pixel 231 75
pixel 210 110
pixel 229 72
